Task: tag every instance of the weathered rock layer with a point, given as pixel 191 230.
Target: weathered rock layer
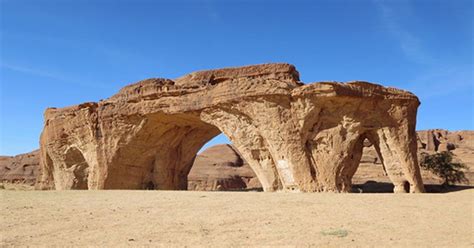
pixel 220 167
pixel 294 136
pixel 22 168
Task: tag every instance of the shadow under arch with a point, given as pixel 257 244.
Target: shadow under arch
pixel 75 164
pixel 389 159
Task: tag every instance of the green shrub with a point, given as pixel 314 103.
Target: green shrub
pixel 442 165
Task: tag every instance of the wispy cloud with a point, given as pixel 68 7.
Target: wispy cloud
pixel 109 53
pixel 410 44
pixel 442 81
pixel 211 10
pixel 435 78
pixel 33 71
pixel 51 75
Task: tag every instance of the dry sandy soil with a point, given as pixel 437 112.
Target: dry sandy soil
pixel 167 218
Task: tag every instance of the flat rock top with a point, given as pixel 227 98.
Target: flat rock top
pixel 210 87
pixel 275 71
pixel 353 89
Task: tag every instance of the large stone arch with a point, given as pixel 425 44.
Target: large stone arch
pixel 295 137
pixel 251 145
pixel 157 149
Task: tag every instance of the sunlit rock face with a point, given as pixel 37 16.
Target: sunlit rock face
pixel 22 168
pixel 221 168
pixel 294 136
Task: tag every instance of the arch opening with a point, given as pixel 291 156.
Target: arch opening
pixel 157 152
pixel 76 165
pixel 161 151
pixel 379 169
pixel 219 166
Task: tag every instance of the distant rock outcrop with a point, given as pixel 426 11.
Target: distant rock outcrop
pixel 220 167
pixel 460 143
pixel 21 168
pixel 442 140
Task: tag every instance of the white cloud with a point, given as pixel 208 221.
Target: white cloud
pixel 47 74
pixel 410 44
pixel 32 71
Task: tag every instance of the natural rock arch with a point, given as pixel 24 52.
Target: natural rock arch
pixel 294 136
pixel 76 165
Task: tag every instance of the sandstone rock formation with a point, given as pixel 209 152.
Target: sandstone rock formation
pixel 22 168
pixel 294 136
pixel 220 167
pixel 460 143
pixel 442 140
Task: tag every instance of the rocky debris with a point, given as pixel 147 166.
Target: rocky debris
pixel 21 168
pixel 295 137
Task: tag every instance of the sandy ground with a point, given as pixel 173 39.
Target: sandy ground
pixel 167 218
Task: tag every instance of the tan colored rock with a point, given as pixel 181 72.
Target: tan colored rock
pixel 438 140
pixel 220 167
pixel 294 136
pixel 22 168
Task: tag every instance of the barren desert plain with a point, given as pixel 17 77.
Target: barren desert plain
pixel 235 219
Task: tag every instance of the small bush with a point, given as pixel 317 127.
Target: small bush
pixel 340 233
pixel 442 165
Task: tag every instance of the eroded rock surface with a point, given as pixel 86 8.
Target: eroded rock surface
pixel 22 168
pixel 294 136
pixel 220 167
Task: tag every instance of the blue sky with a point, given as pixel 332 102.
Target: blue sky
pixel 59 53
